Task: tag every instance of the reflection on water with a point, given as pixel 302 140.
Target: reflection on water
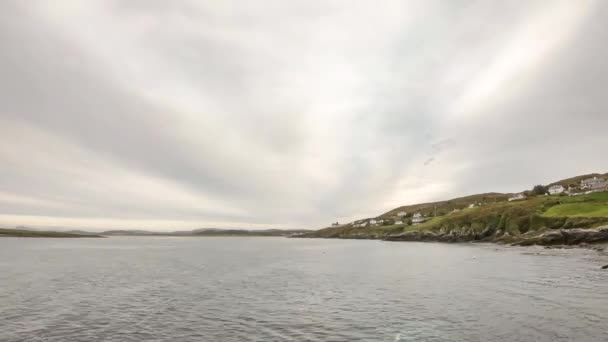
pixel 275 289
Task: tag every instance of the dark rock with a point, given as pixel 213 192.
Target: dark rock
pixel 605 267
pixel 573 236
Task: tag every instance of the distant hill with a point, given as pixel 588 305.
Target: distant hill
pixel 244 232
pixel 41 233
pixel 208 232
pixel 131 232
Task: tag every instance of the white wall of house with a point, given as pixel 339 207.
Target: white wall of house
pixel 418 218
pixel 517 197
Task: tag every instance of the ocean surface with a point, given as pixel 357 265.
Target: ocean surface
pixel 277 289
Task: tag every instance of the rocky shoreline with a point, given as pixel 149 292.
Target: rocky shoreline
pixel 547 237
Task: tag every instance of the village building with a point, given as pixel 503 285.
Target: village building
pixel 517 197
pixel 418 218
pixel 401 213
pixel 556 189
pixel 398 222
pixel 594 184
pixel 335 224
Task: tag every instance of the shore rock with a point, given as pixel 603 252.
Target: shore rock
pixel 574 236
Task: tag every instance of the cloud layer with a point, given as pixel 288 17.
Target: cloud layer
pixel 188 114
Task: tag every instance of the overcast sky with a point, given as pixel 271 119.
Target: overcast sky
pixel 187 114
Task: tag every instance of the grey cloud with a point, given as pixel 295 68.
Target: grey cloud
pixel 286 114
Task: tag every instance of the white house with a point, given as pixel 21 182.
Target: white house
pixel 517 197
pixel 398 222
pixel 372 221
pixel 594 183
pixel 418 218
pixel 401 213
pixel 472 205
pixel 556 189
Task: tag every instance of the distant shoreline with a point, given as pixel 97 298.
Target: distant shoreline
pixel 30 233
pixel 43 234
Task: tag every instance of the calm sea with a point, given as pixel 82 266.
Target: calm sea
pixel 277 289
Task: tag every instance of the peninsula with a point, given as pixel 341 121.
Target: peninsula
pixel 567 212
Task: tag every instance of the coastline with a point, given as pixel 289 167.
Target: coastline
pixel 594 238
pixel 43 234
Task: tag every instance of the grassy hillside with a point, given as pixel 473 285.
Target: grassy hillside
pixel 444 207
pixel 38 233
pixel 592 205
pixel 576 180
pixel 483 215
pixel 512 218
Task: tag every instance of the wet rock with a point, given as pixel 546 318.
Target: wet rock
pixel 575 236
pixel 605 267
pixel 550 237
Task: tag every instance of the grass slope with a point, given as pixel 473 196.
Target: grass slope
pixel 592 205
pixel 536 213
pixel 444 207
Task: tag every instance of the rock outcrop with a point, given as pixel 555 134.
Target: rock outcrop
pixel 550 237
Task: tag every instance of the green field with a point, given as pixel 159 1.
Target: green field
pixel 592 205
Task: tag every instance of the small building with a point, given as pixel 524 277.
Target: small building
pixel 556 189
pixel 335 224
pixel 472 205
pixel 594 183
pixel 398 222
pixel 401 214
pixel 418 218
pixel 372 221
pixel 517 197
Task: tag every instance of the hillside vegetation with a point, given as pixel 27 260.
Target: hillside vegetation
pixel 492 218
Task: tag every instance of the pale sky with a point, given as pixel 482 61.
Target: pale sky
pixel 169 115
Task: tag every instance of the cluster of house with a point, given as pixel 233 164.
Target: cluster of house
pixel 586 186
pixel 397 219
pixel 371 222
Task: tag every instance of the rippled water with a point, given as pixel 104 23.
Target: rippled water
pixel 275 289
